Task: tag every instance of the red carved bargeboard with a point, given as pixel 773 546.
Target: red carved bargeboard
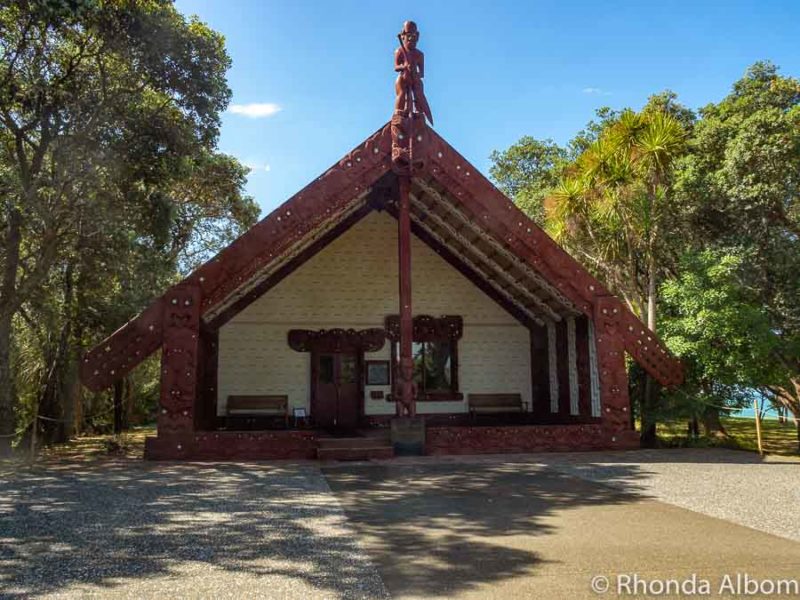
pixel 332 193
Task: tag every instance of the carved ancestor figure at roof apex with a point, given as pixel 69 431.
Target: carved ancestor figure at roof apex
pixel 411 108
pixel 409 62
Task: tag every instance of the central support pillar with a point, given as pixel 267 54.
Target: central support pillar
pixel 407 405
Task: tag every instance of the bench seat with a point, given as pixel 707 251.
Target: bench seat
pixel 258 406
pixel 495 404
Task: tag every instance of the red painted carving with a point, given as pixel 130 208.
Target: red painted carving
pixel 337 340
pixel 427 328
pixel 409 62
pixel 405 388
pixel 179 358
pixel 614 401
pixel 409 131
pixel 124 349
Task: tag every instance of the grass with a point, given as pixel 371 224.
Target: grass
pixel 778 438
pixel 128 444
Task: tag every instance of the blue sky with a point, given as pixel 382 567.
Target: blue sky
pixel 494 70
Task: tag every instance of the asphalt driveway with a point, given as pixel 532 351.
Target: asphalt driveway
pixel 539 526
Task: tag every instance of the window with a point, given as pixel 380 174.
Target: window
pixel 434 369
pixel 432 366
pixel 435 354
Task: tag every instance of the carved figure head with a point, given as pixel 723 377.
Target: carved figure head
pixel 409 35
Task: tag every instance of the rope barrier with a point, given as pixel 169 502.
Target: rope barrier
pixel 43 418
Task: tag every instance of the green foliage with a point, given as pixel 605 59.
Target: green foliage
pixel 612 205
pixel 739 190
pixel 705 205
pixel 527 171
pixel 113 184
pixel 718 326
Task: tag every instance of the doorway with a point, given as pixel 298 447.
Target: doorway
pixel 336 389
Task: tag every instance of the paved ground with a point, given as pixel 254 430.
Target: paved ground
pixel 538 526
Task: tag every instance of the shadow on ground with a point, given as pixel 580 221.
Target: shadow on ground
pixel 431 527
pixel 440 529
pixel 126 522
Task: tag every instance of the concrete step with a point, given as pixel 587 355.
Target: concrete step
pixel 355 453
pixel 352 442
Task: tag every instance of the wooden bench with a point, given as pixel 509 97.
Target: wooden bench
pixel 495 404
pixel 259 406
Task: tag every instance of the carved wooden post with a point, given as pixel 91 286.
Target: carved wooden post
pixel 407 400
pixel 562 370
pixel 614 400
pixel 540 375
pixel 206 405
pixel 583 366
pixel 179 362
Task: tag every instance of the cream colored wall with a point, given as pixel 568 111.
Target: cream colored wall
pixel 353 283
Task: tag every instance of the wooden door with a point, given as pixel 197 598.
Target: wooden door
pixel 336 393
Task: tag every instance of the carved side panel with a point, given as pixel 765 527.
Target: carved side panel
pixel 180 359
pixel 614 400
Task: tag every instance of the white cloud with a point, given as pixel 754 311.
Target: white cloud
pixel 257 166
pixel 593 91
pixel 255 110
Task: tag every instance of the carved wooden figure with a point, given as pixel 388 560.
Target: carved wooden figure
pixel 409 62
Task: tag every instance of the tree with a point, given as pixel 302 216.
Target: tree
pixel 527 171
pixel 739 190
pixel 613 207
pixel 721 331
pixel 108 111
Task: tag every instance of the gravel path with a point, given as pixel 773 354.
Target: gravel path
pixel 133 529
pixel 727 484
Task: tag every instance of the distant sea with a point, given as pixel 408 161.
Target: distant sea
pixel 749 413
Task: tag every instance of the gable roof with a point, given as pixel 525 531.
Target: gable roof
pixel 455 209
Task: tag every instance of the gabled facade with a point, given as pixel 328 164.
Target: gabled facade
pixel 402 255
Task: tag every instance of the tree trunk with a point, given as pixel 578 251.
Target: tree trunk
pixel 797 428
pixel 118 389
pixel 649 435
pixel 649 427
pixel 712 423
pixel 7 297
pixel 68 372
pixel 652 291
pixel 7 416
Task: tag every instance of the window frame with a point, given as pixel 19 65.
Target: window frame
pixel 430 329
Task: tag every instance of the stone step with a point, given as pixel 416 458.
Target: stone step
pixel 352 442
pixel 355 453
